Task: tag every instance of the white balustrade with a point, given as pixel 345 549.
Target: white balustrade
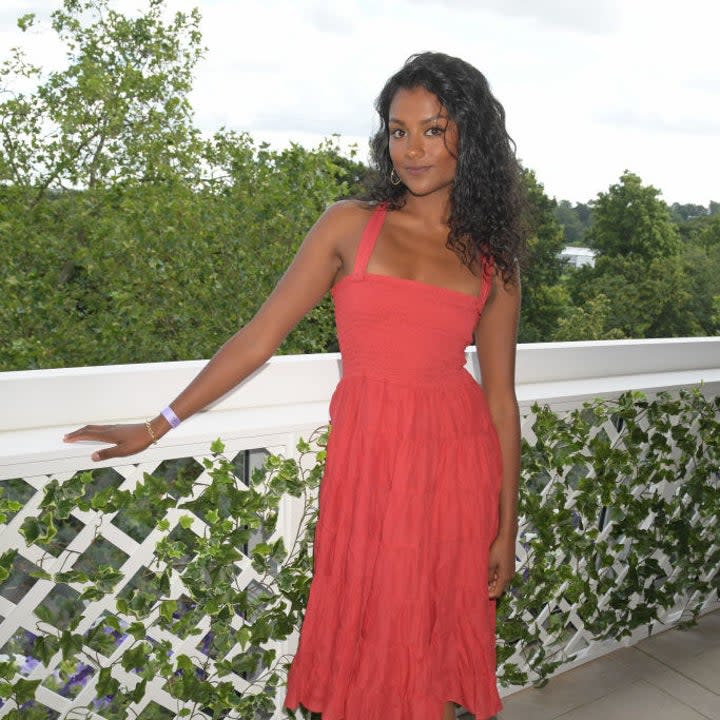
pixel 282 401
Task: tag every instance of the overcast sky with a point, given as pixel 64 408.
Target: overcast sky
pixel 590 88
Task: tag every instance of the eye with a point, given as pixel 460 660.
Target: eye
pixel 435 130
pixel 397 133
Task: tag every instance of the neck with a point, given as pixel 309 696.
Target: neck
pixel 433 209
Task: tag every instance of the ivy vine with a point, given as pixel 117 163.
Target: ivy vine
pixel 619 505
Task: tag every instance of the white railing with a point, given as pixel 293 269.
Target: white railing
pixel 284 400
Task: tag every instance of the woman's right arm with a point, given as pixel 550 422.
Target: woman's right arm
pixel 304 284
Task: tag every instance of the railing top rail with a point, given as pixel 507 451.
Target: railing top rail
pixel 67 396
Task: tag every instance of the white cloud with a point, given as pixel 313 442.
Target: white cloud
pixel 600 16
pixel 653 122
pixel 327 18
pixel 589 88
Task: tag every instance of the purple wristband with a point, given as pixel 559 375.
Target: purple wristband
pixel 170 416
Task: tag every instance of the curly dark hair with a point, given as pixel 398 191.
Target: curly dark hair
pixel 487 216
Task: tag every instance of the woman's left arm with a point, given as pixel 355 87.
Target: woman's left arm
pixel 496 341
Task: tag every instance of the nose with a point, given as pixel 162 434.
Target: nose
pixel 415 147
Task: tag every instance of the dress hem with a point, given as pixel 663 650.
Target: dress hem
pixel 498 707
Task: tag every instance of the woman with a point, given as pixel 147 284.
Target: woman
pixel 415 538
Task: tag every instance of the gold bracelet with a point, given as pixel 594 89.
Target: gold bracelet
pixel 150 431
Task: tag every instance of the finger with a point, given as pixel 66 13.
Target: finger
pixel 496 590
pixel 89 432
pixel 501 584
pixel 79 433
pixel 492 574
pixel 106 453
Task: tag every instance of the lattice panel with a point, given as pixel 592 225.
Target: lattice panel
pixel 563 628
pixel 32 606
pixel 561 621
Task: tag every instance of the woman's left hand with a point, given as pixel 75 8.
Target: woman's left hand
pixel 501 565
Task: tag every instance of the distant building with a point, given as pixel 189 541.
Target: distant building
pixel 578 256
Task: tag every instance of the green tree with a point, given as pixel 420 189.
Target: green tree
pixel 708 235
pixel 701 255
pixel 687 211
pixel 118 111
pixel 574 222
pixel 127 237
pixel 703 228
pixel 587 322
pixel 631 220
pixel 353 174
pixel 544 297
pixel 640 268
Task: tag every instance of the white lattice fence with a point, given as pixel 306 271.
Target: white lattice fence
pixel 31 607
pixel 286 400
pixel 561 623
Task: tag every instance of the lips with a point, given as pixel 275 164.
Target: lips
pixel 417 170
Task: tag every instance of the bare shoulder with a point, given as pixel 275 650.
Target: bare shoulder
pixel 342 225
pixel 345 216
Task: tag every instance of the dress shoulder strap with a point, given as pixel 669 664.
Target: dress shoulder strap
pixel 368 239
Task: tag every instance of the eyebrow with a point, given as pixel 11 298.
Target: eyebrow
pixel 439 116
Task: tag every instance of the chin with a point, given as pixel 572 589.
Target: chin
pixel 425 191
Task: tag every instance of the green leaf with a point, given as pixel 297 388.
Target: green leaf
pixel 26 21
pixel 106 683
pixel 243 636
pixel 8 669
pixel 138 691
pixel 70 644
pixel 24 690
pixel 112 622
pixel 137 630
pixel 71 576
pixel 44 648
pixel 32 530
pixel 40 574
pixel 6 562
pixel 167 609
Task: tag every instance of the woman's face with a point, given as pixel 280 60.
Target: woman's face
pixel 423 141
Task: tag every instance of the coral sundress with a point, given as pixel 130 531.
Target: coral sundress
pixel 398 619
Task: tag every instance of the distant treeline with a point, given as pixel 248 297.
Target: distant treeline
pixel 576 219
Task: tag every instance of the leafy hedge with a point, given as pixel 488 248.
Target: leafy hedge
pixel 619 508
pixel 163 271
